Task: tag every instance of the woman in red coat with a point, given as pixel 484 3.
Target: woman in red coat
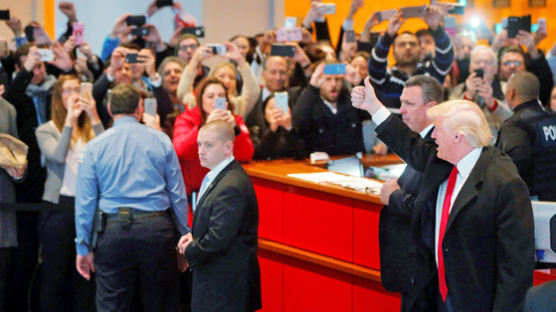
pixel 187 127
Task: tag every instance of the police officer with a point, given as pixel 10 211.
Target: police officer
pixel 130 174
pixel 529 136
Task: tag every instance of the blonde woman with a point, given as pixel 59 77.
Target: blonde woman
pixel 227 74
pixel 75 122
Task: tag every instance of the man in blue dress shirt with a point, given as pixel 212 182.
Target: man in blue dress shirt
pixel 131 173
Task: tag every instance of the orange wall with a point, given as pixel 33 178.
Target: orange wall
pixel 483 8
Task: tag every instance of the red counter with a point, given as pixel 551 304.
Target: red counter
pixel 318 244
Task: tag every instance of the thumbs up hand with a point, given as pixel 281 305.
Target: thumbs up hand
pixel 365 98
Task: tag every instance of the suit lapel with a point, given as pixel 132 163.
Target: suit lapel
pixel 212 185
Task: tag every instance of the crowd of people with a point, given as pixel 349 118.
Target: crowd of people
pixel 45 103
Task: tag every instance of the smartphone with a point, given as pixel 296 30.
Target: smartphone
pixel 140 32
pixel 289 34
pixel 77 34
pixel 350 36
pixel 150 106
pixel 131 58
pixel 136 20
pixel 457 9
pixel 335 69
pixel 198 32
pixel 3 47
pixel 517 23
pixel 498 28
pixel 217 49
pixel 328 8
pixel 281 99
pixel 414 11
pixel 282 50
pixel 479 72
pixel 290 22
pixel 5 15
pixel 30 33
pixel 385 15
pixel 47 55
pixel 541 21
pixel 534 28
pixel 220 103
pixel 163 3
pixel 86 90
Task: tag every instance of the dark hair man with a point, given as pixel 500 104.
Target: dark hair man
pixel 132 174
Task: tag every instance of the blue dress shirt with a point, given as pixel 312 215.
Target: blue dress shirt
pixel 129 165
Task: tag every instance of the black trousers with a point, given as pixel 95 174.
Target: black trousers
pixel 143 254
pixel 25 256
pixel 62 288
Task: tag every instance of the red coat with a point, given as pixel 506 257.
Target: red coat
pixel 186 129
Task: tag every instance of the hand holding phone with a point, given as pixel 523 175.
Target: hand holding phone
pixel 131 58
pixel 217 49
pixel 479 73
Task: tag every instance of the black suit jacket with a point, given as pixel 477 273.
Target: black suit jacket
pixel 397 249
pixel 223 254
pixel 488 245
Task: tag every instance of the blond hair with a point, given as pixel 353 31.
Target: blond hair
pixel 463 117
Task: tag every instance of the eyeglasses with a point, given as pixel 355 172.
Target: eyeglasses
pixel 514 63
pixel 71 90
pixel 188 47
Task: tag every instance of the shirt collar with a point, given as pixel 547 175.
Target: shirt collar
pixel 466 164
pixel 125 120
pixel 218 168
pixel 266 93
pixel 425 131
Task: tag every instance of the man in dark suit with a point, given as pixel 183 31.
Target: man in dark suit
pixel 222 248
pixel 397 249
pixel 474 222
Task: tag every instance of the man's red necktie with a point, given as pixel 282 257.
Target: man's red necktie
pixel 443 222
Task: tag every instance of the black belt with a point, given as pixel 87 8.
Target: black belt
pixel 134 214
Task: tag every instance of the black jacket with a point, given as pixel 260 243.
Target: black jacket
pixel 489 243
pixel 323 131
pixel 223 255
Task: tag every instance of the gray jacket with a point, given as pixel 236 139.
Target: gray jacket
pixel 54 146
pixel 8 235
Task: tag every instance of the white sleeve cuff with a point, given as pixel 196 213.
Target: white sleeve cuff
pixel 380 115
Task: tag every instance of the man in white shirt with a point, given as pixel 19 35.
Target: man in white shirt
pixel 474 226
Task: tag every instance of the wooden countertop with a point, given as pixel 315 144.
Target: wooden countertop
pixel 277 171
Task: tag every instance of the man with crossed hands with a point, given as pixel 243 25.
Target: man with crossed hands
pixel 474 223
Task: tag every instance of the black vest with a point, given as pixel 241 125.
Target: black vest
pixel 544 155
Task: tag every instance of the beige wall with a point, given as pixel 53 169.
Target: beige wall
pixel 25 10
pixel 226 18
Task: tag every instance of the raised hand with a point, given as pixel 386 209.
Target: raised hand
pixel 395 23
pixel 365 98
pixel 317 77
pixel 69 10
pixel 14 24
pixel 63 59
pixel 120 26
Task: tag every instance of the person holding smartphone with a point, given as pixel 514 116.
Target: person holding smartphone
pixel 62 140
pixel 188 124
pixel 484 88
pixel 225 72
